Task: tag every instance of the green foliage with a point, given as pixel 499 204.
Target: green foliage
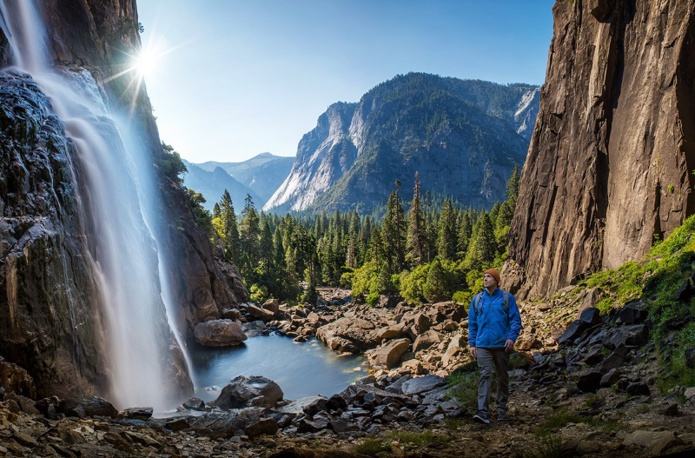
pixel 547 446
pixel 463 387
pixel 371 446
pixel 170 165
pixel 413 284
pixel 259 293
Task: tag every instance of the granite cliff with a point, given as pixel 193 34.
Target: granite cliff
pixel 610 163
pixel 463 137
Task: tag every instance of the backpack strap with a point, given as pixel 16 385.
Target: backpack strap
pixel 505 295
pixel 478 297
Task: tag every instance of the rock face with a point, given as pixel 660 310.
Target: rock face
pixel 610 161
pixel 462 137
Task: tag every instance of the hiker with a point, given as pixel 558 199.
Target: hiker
pixel 494 323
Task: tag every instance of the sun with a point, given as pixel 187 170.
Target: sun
pixel 146 62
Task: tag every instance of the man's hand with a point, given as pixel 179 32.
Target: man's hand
pixel 474 352
pixel 509 345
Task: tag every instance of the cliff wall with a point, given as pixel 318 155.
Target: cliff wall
pixel 612 155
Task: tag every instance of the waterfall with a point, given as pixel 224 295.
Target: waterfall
pixel 119 201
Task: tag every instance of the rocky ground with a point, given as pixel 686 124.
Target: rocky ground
pixel 583 385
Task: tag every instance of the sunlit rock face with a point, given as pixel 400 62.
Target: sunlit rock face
pixel 53 318
pixel 463 138
pixel 612 154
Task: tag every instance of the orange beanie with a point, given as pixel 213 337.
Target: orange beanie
pixel 495 275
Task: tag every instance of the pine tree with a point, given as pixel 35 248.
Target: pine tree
pixel 513 185
pixel 416 228
pixel 464 234
pixel 352 254
pixel 229 227
pixel 393 233
pixel 447 240
pixel 249 237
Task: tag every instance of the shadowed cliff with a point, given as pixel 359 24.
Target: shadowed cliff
pixel 611 158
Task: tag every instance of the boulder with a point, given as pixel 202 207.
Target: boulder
pixel 632 335
pixel 219 333
pixel 224 425
pixel 244 392
pixel 389 353
pixel 426 340
pixel 420 385
pixel 87 406
pixel 260 313
pixel 272 305
pixel 390 332
pixel 137 413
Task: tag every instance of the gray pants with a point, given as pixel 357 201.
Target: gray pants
pixel 489 359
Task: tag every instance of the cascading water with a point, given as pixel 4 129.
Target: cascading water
pixel 119 201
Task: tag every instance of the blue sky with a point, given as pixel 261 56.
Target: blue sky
pixel 234 78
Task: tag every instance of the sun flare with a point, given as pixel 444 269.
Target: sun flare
pixel 145 63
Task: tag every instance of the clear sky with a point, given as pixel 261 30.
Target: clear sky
pixel 230 79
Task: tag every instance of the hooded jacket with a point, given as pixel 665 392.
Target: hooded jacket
pixel 492 325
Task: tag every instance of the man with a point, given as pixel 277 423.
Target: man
pixel 494 323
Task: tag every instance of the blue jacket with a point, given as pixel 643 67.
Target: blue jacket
pixel 492 326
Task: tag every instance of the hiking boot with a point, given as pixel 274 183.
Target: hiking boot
pixel 480 418
pixel 502 416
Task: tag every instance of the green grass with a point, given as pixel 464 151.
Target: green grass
pixel 372 446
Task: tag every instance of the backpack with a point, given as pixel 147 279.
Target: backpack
pixel 505 295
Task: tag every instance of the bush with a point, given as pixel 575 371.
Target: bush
pixel 258 293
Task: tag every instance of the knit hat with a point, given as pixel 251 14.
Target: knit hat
pixel 495 275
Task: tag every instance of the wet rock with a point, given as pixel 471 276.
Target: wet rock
pixel 194 404
pixel 138 413
pixel 87 406
pixel 252 391
pixel 219 333
pixel 227 424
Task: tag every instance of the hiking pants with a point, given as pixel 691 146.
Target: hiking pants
pixel 489 359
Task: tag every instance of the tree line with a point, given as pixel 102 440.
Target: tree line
pixel 425 254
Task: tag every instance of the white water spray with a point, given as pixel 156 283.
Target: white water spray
pixel 121 201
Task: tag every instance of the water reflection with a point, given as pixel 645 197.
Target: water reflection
pixel 301 369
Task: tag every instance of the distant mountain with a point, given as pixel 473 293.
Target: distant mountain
pixel 263 174
pixel 463 137
pixel 211 184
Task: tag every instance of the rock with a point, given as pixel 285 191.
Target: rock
pixel 227 424
pixel 638 389
pixel 419 385
pixel 264 426
pixel 87 406
pixel 610 378
pixel 389 353
pixel 632 335
pixel 632 313
pixel 252 391
pixel 272 305
pixel 390 332
pixel 590 316
pixel 260 313
pixel 336 402
pixel 137 413
pixel 656 442
pixel 231 314
pixel 219 333
pixel 15 379
pixel 142 439
pixel 690 357
pixel 615 360
pixel 194 404
pixel 452 354
pixel 590 381
pixel 573 331
pixel 426 340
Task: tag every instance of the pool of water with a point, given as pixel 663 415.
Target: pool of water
pixel 301 369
